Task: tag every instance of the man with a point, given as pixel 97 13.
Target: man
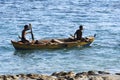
pixel 23 39
pixel 78 33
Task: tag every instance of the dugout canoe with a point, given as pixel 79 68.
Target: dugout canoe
pixel 52 43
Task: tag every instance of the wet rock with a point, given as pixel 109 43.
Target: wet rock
pixel 91 73
pixel 29 75
pixel 54 74
pixel 62 73
pixel 117 73
pixel 83 73
pixel 103 72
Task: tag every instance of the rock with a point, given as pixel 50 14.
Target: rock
pixel 107 78
pixel 103 72
pixel 62 73
pixel 81 74
pixel 110 77
pixel 29 75
pixel 81 77
pixel 96 78
pixel 70 79
pixel 33 76
pixel 54 74
pixel 91 73
pixel 65 75
pixel 46 77
pixel 71 74
pixel 1 78
pixel 10 77
pixel 61 78
pixel 21 75
pixel 15 77
pixel 40 79
pixel 4 77
pixel 117 73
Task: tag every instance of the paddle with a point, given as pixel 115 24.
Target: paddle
pixel 94 35
pixel 31 32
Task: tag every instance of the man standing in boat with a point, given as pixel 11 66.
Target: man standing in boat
pixel 78 33
pixel 23 38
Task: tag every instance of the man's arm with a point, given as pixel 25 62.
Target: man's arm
pixel 75 34
pixel 28 32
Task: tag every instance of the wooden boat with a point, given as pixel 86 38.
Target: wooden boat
pixel 52 43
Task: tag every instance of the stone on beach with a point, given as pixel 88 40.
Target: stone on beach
pixel 90 75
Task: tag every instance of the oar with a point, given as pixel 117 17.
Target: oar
pixel 31 32
pixel 94 35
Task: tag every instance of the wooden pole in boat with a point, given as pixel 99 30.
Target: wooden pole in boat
pixel 31 32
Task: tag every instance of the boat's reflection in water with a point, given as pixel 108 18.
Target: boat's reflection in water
pixel 23 53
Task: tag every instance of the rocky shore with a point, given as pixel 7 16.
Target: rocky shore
pixel 90 75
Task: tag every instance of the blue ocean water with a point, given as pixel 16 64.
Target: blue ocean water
pixel 59 19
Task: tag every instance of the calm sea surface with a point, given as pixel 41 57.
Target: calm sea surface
pixel 59 19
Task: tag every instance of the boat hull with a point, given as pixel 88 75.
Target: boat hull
pixel 47 44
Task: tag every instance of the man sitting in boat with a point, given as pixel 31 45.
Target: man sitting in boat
pixel 78 33
pixel 23 38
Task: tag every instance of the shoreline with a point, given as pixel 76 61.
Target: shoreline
pixel 90 75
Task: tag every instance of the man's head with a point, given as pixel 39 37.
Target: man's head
pixel 26 27
pixel 81 27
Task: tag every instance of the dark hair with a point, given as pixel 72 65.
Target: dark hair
pixel 81 27
pixel 26 27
